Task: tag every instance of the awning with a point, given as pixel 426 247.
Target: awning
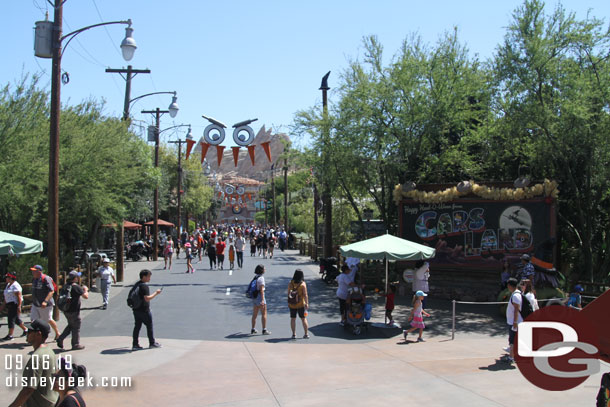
pixel 126 225
pixel 160 222
pixel 14 244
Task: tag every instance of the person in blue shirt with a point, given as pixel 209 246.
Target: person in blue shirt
pixel 527 270
pixel 575 300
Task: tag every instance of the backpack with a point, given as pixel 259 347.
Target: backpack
pixel 134 300
pixel 44 277
pixel 252 291
pixel 293 295
pixel 65 297
pixel 603 397
pixel 526 306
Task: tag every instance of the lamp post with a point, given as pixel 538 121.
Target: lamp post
pixel 326 196
pixel 189 136
pixel 173 111
pixel 48 44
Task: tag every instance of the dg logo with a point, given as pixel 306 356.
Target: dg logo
pixel 557 348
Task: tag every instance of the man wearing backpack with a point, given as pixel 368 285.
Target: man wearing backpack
pixel 141 310
pixel 72 309
pixel 43 289
pixel 513 316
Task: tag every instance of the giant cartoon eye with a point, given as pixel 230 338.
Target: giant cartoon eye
pixel 229 189
pixel 214 138
pixel 239 135
pixel 240 190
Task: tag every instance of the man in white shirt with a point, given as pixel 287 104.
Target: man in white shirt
pixel 513 316
pixel 106 274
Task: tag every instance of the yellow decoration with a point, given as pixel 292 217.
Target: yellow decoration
pixel 547 189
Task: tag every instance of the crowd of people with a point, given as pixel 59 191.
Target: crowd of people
pixel 220 242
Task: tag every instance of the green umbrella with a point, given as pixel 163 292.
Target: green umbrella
pixel 18 244
pixel 387 247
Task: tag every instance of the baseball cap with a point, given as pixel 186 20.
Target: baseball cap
pixel 11 275
pixel 73 274
pixel 40 326
pixel 105 260
pixel 578 288
pixel 525 257
pixel 37 267
pixel 420 293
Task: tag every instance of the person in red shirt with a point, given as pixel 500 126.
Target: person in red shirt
pixel 389 304
pixel 220 252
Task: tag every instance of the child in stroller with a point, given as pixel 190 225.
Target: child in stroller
pixel 355 303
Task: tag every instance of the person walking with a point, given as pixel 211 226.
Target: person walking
pixel 389 304
pixel 231 254
pixel 220 253
pixel 416 316
pixel 43 288
pixel 168 252
pixel 106 274
pixel 66 384
pixel 39 370
pixel 513 316
pixel 344 280
pixel 259 304
pixel 73 313
pixel 13 299
pixel 240 244
pixel 298 302
pixel 252 246
pixel 142 314
pixel 271 246
pixel 200 245
pixel 188 251
pixel 212 253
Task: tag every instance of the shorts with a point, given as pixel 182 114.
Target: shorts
pixel 511 335
pixel 43 314
pixel 300 311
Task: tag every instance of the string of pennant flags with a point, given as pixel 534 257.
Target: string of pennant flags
pixel 243 135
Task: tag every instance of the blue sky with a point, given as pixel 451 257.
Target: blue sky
pixel 237 60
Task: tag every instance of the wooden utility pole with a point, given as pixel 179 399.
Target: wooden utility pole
pixel 326 193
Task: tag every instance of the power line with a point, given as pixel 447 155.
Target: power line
pixel 105 28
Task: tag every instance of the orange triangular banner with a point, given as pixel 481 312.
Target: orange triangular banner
pixel 250 196
pixel 251 152
pixel 189 147
pixel 265 147
pixel 220 194
pixel 204 151
pixel 235 154
pixel 219 152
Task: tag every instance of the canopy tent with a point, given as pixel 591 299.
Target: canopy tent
pixel 160 222
pixel 18 244
pixel 126 225
pixel 387 247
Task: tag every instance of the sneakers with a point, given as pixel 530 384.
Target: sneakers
pixel 508 360
pixel 506 349
pixel 306 336
pixel 137 347
pixel 404 334
pixel 78 347
pixel 104 306
pixel 25 333
pixel 265 332
pixel 60 343
pixel 8 338
pixel 154 345
pixel 293 336
pixel 253 331
pixel 342 323
pixel 420 340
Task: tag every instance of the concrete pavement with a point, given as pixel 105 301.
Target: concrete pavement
pixel 231 368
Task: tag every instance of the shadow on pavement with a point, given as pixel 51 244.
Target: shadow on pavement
pixel 116 351
pixel 238 335
pixel 334 330
pixel 13 345
pixel 278 340
pixel 499 365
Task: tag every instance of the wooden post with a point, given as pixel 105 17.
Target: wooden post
pixel 119 264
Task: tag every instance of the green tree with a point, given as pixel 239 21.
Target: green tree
pixel 552 94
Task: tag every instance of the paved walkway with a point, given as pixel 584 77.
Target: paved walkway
pixel 273 371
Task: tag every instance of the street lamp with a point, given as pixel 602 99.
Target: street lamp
pixel 189 136
pixel 172 109
pixel 158 112
pixel 48 44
